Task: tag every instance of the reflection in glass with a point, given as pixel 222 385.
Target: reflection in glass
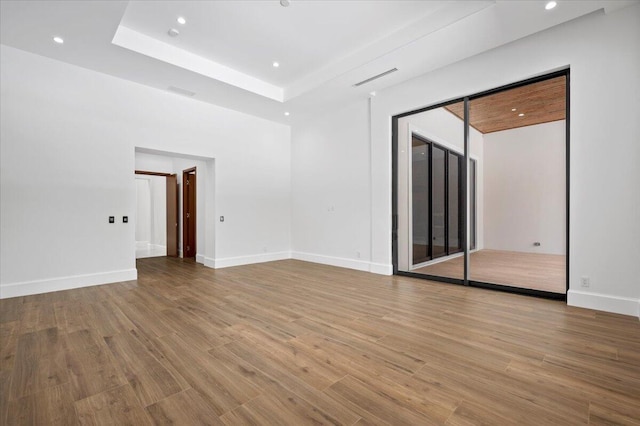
pixel 438 203
pixel 430 154
pixel 455 192
pixel 420 200
pixel 472 205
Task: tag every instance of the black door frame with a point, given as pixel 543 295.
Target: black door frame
pixel 394 188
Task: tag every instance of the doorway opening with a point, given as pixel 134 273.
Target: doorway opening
pixel 156 214
pixel 189 207
pixel 481 189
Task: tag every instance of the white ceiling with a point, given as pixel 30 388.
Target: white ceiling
pixel 249 36
pixel 224 52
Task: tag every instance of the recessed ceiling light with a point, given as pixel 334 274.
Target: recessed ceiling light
pixel 521 114
pixel 276 64
pixel 513 109
pixel 287 113
pixel 173 32
pixel 181 20
pixel 550 5
pixel 58 40
pixel 285 3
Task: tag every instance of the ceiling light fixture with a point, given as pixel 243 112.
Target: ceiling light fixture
pixel 550 5
pixel 58 40
pixel 285 3
pixel 521 114
pixel 276 64
pixel 287 113
pixel 513 109
pixel 173 32
pixel 181 20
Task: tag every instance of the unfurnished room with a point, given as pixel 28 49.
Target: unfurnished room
pixel 315 212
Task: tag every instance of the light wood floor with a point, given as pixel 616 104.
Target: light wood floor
pixel 546 272
pixel 293 343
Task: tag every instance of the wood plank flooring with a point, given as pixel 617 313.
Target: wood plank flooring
pixel 537 271
pixel 295 343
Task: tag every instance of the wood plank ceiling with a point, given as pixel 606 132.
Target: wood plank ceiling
pixel 540 102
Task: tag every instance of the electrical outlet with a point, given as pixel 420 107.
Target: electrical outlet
pixel 585 281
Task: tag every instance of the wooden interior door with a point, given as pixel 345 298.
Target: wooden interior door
pixel 189 213
pixel 172 216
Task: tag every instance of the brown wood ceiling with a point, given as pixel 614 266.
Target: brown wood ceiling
pixel 540 102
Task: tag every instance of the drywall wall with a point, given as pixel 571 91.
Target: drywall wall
pixel 445 129
pixel 158 210
pixel 603 53
pixel 151 211
pixel 525 189
pixel 77 129
pixel 142 217
pixel 330 188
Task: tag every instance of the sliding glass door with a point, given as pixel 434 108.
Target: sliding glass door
pixel 481 189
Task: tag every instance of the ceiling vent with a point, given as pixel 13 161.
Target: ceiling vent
pixel 375 77
pixel 180 91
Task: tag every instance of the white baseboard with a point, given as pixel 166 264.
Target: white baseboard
pixel 200 258
pixel 604 302
pixel 381 268
pixel 66 283
pixel 246 260
pixel 358 265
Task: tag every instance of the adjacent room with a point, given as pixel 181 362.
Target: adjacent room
pixel 513 208
pixel 293 212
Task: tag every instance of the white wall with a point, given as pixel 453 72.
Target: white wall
pixel 159 210
pixel 446 129
pixel 76 131
pixel 330 191
pixel 524 189
pixel 603 52
pixel 142 217
pixel 151 212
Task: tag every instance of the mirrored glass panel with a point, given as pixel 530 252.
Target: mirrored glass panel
pixel 420 220
pixel 430 216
